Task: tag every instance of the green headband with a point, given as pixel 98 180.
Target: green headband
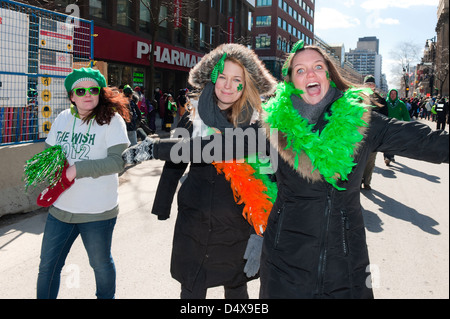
pixel 218 68
pixel 297 46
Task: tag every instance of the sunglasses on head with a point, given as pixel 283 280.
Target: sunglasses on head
pixel 80 92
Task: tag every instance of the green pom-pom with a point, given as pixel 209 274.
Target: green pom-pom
pixel 45 167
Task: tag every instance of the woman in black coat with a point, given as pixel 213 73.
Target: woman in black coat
pixel 211 234
pixel 315 243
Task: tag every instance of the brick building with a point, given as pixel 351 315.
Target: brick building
pixel 277 25
pixel 187 29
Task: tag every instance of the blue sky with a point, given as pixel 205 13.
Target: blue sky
pixel 391 21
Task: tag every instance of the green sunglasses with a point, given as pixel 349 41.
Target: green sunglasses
pixel 80 92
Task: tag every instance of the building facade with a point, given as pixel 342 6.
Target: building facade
pixel 337 54
pixel 277 25
pixel 366 59
pixel 187 30
pixel 442 59
pixel 124 36
pixel 432 74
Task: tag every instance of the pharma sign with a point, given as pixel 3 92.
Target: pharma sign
pixel 168 56
pixel 136 50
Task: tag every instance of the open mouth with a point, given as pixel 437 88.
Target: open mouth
pixel 313 88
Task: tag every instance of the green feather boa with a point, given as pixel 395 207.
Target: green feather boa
pixel 331 151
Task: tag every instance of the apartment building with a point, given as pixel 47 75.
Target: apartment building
pixel 187 29
pixel 277 25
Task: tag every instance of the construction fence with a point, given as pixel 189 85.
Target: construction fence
pixel 38 49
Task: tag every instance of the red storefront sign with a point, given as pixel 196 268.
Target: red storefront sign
pixel 117 46
pixel 177 13
pixel 230 30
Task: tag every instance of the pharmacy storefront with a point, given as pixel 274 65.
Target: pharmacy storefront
pixel 126 59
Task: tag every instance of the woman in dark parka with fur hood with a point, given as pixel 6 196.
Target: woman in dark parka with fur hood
pixel 211 234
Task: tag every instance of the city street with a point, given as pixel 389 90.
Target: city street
pixel 407 225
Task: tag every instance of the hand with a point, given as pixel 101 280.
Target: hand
pixel 139 152
pixel 49 195
pixel 71 173
pixel 253 255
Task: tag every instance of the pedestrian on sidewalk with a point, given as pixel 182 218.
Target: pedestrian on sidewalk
pixel 135 116
pixel 377 99
pixel 315 244
pixel 170 112
pixel 212 238
pixel 93 134
pixel 441 113
pixel 396 109
pixel 427 110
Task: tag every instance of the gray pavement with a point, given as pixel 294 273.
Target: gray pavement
pixel 407 226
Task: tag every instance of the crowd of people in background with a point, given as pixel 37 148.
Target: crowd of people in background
pixel 168 109
pixel 146 110
pixel 433 109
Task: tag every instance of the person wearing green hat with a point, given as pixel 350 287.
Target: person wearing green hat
pixel 92 133
pixel 377 99
pixel 396 109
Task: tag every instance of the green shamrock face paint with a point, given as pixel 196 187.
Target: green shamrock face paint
pixel 240 87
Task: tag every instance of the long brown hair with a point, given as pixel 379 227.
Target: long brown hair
pixel 110 101
pixel 249 99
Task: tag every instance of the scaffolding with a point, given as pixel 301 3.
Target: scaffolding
pixel 38 49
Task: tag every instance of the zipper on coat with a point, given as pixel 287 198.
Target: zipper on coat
pixel 324 244
pixel 345 228
pixel 279 225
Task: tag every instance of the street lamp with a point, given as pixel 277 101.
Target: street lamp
pixel 406 79
pixel 431 47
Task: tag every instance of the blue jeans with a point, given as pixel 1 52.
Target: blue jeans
pixel 56 243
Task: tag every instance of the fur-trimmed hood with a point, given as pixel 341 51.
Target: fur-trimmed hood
pixel 200 75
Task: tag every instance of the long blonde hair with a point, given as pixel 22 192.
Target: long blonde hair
pixel 249 99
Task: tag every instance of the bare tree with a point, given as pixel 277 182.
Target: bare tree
pixel 441 67
pixel 406 54
pixel 174 11
pixel 188 15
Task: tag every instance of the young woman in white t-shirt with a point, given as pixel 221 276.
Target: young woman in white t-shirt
pixel 93 135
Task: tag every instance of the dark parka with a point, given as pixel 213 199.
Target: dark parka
pixel 315 242
pixel 211 234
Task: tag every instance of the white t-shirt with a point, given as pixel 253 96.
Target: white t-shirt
pixel 88 141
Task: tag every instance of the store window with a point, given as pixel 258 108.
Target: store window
pixel 97 8
pixel 144 16
pixel 123 12
pixel 202 35
pixel 119 74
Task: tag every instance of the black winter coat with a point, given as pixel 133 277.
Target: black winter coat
pixel 315 241
pixel 211 234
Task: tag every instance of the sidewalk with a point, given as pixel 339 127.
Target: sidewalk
pixel 407 228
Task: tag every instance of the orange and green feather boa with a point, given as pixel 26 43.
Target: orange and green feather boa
pixel 256 191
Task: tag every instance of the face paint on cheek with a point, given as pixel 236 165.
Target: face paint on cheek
pixel 331 81
pixel 240 87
